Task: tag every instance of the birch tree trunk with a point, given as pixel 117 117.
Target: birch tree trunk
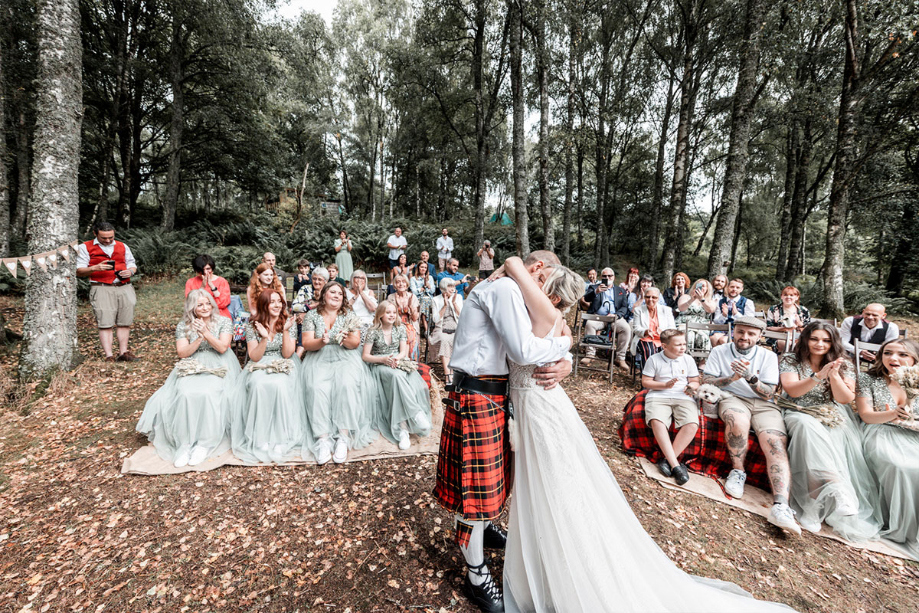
pixel 24 180
pixel 4 179
pixel 573 33
pixel 791 154
pixel 738 148
pixel 517 146
pixel 49 328
pixel 542 74
pixel 657 204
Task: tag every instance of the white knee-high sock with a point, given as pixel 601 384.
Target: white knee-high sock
pixel 474 552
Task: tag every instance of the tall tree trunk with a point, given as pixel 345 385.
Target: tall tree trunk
pixel 846 137
pixel 4 178
pixel 657 197
pixel 522 218
pixel 542 74
pixel 601 153
pixel 738 148
pixel 345 188
pixel 799 211
pixel 735 234
pixel 23 178
pixel 50 325
pixel 791 155
pixel 573 33
pixel 580 152
pixel 708 226
pixel 176 125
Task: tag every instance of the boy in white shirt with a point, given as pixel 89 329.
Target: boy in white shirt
pixel 668 375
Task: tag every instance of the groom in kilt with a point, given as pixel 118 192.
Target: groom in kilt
pixel 475 467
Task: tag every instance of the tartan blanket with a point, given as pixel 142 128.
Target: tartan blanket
pixel 425 371
pixel 707 454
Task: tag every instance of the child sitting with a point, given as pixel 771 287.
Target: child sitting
pixel 668 375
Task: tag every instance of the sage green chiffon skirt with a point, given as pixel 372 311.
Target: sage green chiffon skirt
pixel 403 398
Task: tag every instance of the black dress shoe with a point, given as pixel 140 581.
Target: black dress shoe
pixel 680 474
pixel 494 537
pixel 487 597
pixel 664 466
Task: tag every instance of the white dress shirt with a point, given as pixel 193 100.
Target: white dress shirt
pixel 495 326
pixel 83 254
pixel 400 243
pixel 845 331
pixel 748 311
pixel 444 247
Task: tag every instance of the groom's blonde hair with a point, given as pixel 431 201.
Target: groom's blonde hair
pixel 564 283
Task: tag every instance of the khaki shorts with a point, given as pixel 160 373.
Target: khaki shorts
pixel 682 411
pixel 763 415
pixel 442 262
pixel 113 305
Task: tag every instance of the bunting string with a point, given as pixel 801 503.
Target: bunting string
pixel 44 260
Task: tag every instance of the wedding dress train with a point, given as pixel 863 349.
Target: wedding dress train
pixel 574 544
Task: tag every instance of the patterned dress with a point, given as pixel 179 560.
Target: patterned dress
pixel 339 391
pixel 696 339
pixel 268 424
pixel 403 395
pixel 828 463
pixel 423 288
pixel 893 456
pixel 775 315
pixel 411 327
pixel 193 410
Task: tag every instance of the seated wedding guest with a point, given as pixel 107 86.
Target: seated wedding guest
pixel 308 296
pixel 787 316
pixel 606 298
pixel 671 376
pixel 303 275
pixel 408 308
pixel 750 374
pixel 679 287
pixel 401 268
pixel 591 279
pixel 270 259
pixel 696 307
pixel 892 451
pixel 422 285
pixel 719 283
pixel 406 408
pixel 636 299
pixel 869 327
pixel 333 275
pixel 263 278
pixel 630 285
pixel 648 321
pixel 361 300
pixel 445 313
pixel 425 257
pixel 267 423
pixel 729 307
pixel 340 393
pixel 206 278
pixel 186 419
pixel 830 479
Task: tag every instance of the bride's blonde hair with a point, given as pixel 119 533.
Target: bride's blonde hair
pixel 564 283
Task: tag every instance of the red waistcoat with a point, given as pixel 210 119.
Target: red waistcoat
pixel 97 256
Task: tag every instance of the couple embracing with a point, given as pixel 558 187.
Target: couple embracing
pixel 573 543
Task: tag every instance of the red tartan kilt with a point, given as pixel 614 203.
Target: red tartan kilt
pixel 707 454
pixel 475 468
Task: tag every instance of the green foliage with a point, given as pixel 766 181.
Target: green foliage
pixel 855 296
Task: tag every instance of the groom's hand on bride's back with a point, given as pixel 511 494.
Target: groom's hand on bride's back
pixel 549 375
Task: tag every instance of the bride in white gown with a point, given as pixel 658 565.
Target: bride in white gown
pixel 573 543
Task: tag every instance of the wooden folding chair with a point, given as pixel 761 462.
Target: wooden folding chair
pixel 703 328
pixel 859 347
pixel 581 347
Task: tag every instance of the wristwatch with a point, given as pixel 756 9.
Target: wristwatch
pixel 753 380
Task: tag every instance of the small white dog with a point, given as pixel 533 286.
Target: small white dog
pixel 708 397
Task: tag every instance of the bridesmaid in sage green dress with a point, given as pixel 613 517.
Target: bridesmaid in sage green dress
pixel 338 389
pixel 893 452
pixel 830 478
pixel 186 419
pixel 268 421
pixel 406 408
pixel 343 259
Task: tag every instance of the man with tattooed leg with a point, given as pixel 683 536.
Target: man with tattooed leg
pixel 751 373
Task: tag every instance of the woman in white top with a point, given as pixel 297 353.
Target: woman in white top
pixel 361 299
pixel 650 319
pixel 445 312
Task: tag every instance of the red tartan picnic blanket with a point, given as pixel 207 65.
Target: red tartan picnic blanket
pixel 425 371
pixel 707 454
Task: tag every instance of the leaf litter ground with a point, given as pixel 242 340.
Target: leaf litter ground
pixel 76 535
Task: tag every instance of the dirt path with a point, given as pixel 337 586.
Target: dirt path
pixel 76 535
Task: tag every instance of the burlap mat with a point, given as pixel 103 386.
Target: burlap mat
pixel 145 461
pixel 758 502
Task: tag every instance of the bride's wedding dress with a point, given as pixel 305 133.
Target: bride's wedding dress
pixel 574 544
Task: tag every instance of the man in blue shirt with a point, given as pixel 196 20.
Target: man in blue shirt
pixel 452 272
pixel 607 298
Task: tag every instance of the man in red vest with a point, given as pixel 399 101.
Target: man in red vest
pixel 109 265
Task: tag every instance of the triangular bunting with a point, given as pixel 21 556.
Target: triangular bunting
pixel 52 259
pixel 40 260
pixel 10 264
pixel 26 263
pixel 75 245
pixel 65 252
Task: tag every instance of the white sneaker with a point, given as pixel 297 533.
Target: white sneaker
pixel 733 485
pixel 183 457
pixel 341 451
pixel 404 442
pixel 421 420
pixel 324 451
pixel 279 450
pixel 198 455
pixel 846 506
pixel 783 517
pixel 810 524
pixel 264 447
